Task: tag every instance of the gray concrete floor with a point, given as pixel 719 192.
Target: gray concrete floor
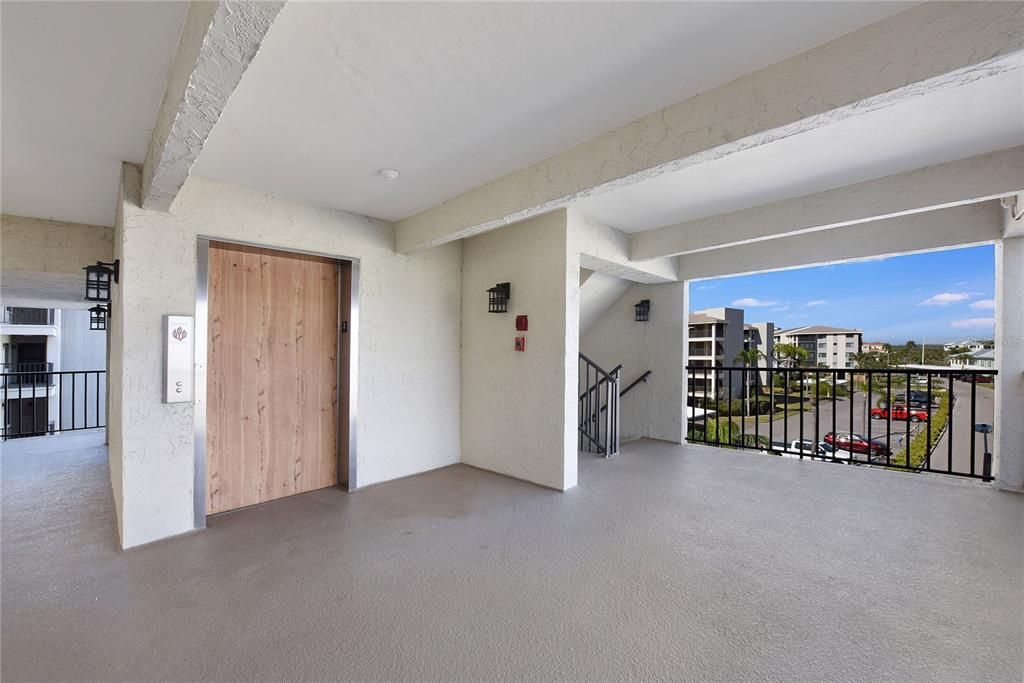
pixel 666 562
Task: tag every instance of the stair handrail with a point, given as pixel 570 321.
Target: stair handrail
pixel 641 378
pixel 597 421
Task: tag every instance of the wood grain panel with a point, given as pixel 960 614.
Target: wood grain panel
pixel 272 375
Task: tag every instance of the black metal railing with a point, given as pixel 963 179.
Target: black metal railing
pixel 638 380
pixel 38 403
pixel 26 373
pixel 13 315
pixel 922 420
pixel 598 415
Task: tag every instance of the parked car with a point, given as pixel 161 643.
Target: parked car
pixel 898 412
pixel 918 399
pixel 855 443
pixel 808 447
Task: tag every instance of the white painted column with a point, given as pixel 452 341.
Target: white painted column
pixel 685 287
pixel 1009 410
pixel 53 355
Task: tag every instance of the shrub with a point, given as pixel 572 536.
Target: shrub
pixel 920 447
pixel 716 430
pixel 725 433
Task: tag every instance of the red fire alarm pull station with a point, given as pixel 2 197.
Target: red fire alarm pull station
pixel 522 324
pixel 520 343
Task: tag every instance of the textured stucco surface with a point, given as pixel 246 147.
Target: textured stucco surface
pixel 653 409
pixel 41 261
pixel 665 563
pixel 408 372
pixel 1009 427
pixel 940 229
pixel 218 42
pixel 930 47
pixel 982 177
pixel 607 250
pixel 518 408
pixel 597 294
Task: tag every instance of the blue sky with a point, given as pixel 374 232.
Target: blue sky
pixel 938 296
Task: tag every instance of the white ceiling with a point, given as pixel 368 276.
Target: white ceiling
pixel 82 82
pixel 977 118
pixel 457 94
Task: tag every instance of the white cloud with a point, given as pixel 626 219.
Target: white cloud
pixel 777 309
pixel 816 302
pixel 945 298
pixel 974 322
pixel 754 303
pixel 984 304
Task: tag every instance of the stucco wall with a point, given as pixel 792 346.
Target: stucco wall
pixel 1009 409
pixel 408 372
pixel 41 261
pixel 598 292
pixel 519 409
pixel 655 409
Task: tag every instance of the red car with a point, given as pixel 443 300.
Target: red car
pixel 900 413
pixel 855 443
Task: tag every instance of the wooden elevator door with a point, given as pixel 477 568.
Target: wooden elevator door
pixel 272 382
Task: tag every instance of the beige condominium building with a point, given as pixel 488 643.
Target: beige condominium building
pixel 716 338
pixel 834 347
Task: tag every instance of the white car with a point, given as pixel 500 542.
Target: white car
pixel 807 448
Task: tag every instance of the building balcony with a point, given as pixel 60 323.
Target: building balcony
pixel 26 376
pixel 36 322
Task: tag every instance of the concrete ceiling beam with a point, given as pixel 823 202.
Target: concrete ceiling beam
pixel 605 249
pixel 218 42
pixel 958 226
pixel 929 47
pixel 976 179
pixel 1014 225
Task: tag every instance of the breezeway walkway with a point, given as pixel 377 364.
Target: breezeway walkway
pixel 666 562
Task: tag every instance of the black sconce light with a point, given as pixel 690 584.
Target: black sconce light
pixel 98 317
pixel 643 311
pixel 498 296
pixel 98 279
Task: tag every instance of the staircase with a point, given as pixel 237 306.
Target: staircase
pixel 599 401
pixel 598 408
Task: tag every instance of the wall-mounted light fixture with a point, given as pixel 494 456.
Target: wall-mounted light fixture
pixel 98 279
pixel 98 317
pixel 498 296
pixel 642 311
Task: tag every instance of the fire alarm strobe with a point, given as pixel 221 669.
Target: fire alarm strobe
pixel 520 343
pixel 522 324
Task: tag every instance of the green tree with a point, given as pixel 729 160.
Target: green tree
pixel 790 355
pixel 869 361
pixel 748 358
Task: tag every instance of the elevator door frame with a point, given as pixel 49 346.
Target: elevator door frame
pixel 200 364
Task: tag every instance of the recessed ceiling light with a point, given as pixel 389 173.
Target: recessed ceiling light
pixel 388 173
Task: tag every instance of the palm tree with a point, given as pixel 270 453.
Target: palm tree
pixel 748 358
pixel 790 355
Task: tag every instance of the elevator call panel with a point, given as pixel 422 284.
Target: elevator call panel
pixel 179 350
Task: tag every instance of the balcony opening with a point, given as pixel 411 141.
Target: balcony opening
pixel 885 362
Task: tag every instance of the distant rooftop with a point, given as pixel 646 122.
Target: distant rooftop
pixel 702 318
pixel 816 329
